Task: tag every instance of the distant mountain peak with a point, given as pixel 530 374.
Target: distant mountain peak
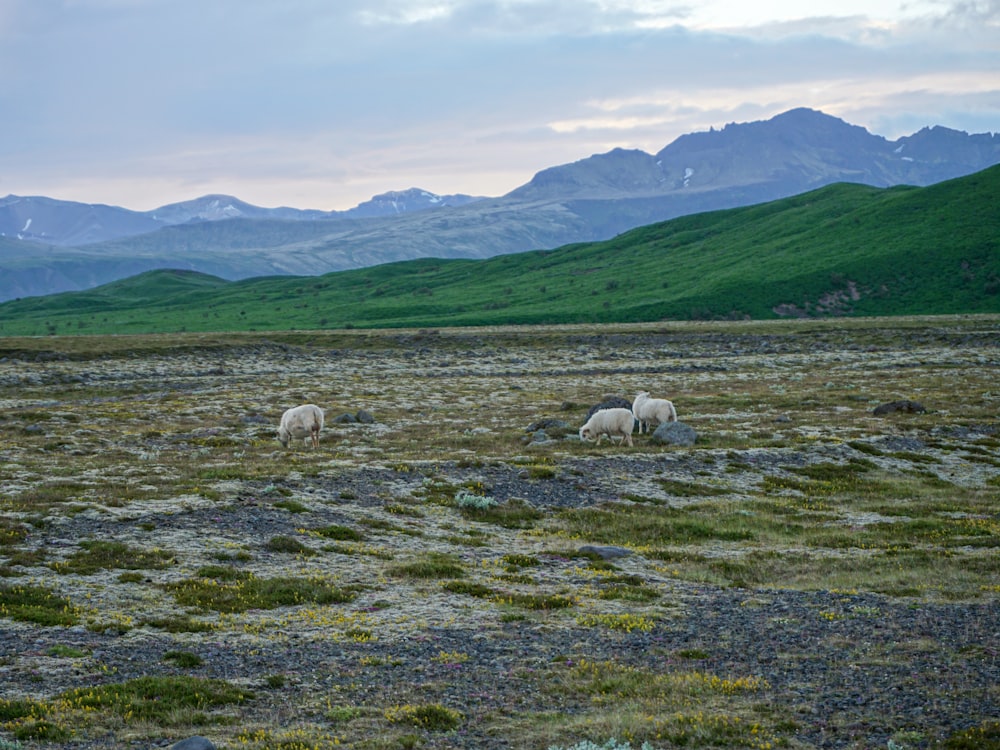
pixel 804 115
pixel 407 201
pixel 210 207
pixel 412 192
pixel 592 198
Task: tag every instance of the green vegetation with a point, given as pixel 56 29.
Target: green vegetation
pixel 165 701
pixel 179 624
pixel 468 588
pixel 169 701
pixel 97 555
pixel 338 532
pixel 183 659
pixel 669 709
pixel 288 545
pixel 37 604
pixel 513 514
pixel 11 532
pixel 251 592
pixel 431 716
pixel 984 737
pixel 536 601
pixel 292 506
pixel 516 562
pixel 430 565
pixel 843 249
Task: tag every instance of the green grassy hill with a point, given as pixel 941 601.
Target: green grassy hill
pixel 845 249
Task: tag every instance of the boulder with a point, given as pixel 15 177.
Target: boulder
pixel 605 552
pixel 675 433
pixel 538 437
pixel 893 443
pixel 552 428
pixel 910 407
pixel 193 743
pixel 610 402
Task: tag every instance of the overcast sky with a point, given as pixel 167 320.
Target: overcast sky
pixel 323 103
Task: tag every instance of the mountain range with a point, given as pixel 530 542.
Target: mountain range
pixel 840 250
pixel 49 246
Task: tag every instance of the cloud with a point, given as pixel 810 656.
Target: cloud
pixel 323 104
pixel 535 18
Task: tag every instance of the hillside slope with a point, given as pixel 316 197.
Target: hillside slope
pixel 591 199
pixel 845 249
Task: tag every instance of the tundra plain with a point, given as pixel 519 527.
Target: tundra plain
pixel 461 571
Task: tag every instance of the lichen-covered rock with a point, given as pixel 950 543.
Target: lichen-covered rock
pixel 910 407
pixel 605 552
pixel 610 402
pixel 194 743
pixel 552 428
pixel 675 433
pixel 538 437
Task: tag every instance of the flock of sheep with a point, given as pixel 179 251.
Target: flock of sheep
pixel 619 422
pixel 306 421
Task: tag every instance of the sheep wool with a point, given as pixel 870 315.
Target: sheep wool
pixel 652 412
pixel 615 422
pixel 301 423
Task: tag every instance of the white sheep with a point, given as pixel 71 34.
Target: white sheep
pixel 610 422
pixel 652 411
pixel 301 423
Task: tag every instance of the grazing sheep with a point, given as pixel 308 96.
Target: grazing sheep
pixel 652 411
pixel 610 422
pixel 301 423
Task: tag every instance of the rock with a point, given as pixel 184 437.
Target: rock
pixel 782 419
pixel 539 440
pixel 966 432
pixel 605 553
pixel 675 433
pixel 900 443
pixel 610 402
pixel 544 424
pixel 539 437
pixel 910 407
pixel 362 417
pixel 194 743
pixel 551 428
